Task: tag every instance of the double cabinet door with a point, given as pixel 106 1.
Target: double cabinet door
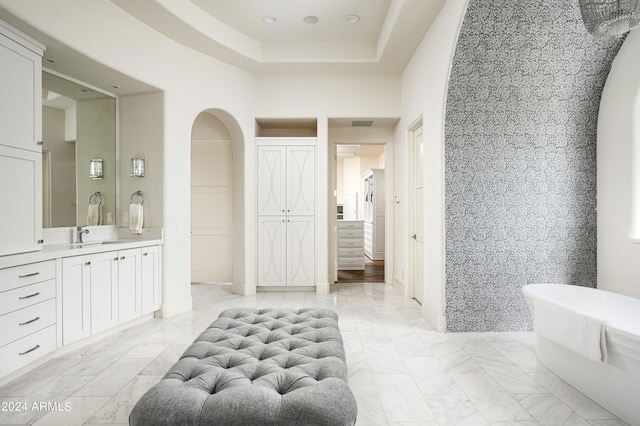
pixel 103 290
pixel 286 215
pixel 20 136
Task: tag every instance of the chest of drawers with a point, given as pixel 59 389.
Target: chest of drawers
pixel 351 245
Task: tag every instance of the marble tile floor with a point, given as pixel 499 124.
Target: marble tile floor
pixel 400 370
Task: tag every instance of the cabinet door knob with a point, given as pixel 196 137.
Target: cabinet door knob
pixel 145 254
pixel 87 263
pixel 115 258
pixel 122 258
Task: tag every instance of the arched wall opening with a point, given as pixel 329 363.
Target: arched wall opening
pixel 619 173
pixel 217 200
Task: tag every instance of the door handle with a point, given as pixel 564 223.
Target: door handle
pixel 414 236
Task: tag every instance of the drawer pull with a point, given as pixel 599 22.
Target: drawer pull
pixel 30 350
pixel 30 321
pixel 37 293
pixel 29 275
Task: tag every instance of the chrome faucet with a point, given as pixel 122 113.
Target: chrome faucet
pixel 79 232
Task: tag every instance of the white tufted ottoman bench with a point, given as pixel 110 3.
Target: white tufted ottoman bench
pixel 256 367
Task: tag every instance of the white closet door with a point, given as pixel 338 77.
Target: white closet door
pixel 271 180
pixel 300 251
pixel 271 250
pixel 301 180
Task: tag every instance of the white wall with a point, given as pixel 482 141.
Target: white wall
pixel 618 169
pixel 141 121
pixel 191 83
pixel 424 90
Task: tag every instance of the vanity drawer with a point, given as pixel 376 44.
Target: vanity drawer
pixel 17 354
pixel 19 276
pixel 21 297
pixel 24 322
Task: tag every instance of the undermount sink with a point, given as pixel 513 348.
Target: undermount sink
pixel 94 243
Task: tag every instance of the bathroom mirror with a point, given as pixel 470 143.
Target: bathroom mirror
pixel 78 125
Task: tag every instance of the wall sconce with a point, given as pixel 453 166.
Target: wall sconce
pixel 137 167
pixel 95 168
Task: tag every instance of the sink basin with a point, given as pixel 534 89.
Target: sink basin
pixel 87 243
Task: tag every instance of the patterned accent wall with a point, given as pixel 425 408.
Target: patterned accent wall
pixel 520 158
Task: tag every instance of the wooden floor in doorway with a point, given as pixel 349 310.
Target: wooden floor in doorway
pixel 373 273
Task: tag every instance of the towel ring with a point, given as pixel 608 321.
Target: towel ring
pixel 137 194
pixel 98 196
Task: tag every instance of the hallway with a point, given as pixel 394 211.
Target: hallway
pixel 373 273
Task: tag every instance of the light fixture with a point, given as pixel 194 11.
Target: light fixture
pixel 351 19
pixel 269 19
pixel 137 167
pixel 310 19
pixel 95 168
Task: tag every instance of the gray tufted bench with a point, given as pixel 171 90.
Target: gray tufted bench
pixel 256 367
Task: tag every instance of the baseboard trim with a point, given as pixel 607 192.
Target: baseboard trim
pixel 323 288
pixel 169 310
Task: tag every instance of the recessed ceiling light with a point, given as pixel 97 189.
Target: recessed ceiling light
pixel 269 19
pixel 351 19
pixel 49 60
pixel 310 19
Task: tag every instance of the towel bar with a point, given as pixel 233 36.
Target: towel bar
pixel 137 194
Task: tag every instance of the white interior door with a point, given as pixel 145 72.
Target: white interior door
pixel 418 223
pixel 211 211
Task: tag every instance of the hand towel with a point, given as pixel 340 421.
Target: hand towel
pixel 94 215
pixel 136 218
pixel 577 331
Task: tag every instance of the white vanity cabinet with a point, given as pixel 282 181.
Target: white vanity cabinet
pixel 103 290
pixel 286 211
pixel 151 282
pixel 129 285
pixel 27 314
pixel 63 295
pixel 20 136
pixel 76 298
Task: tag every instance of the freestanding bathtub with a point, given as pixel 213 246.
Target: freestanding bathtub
pixel 607 371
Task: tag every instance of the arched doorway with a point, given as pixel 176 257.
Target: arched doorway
pixel 216 199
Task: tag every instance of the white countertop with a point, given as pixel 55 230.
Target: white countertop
pixel 102 240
